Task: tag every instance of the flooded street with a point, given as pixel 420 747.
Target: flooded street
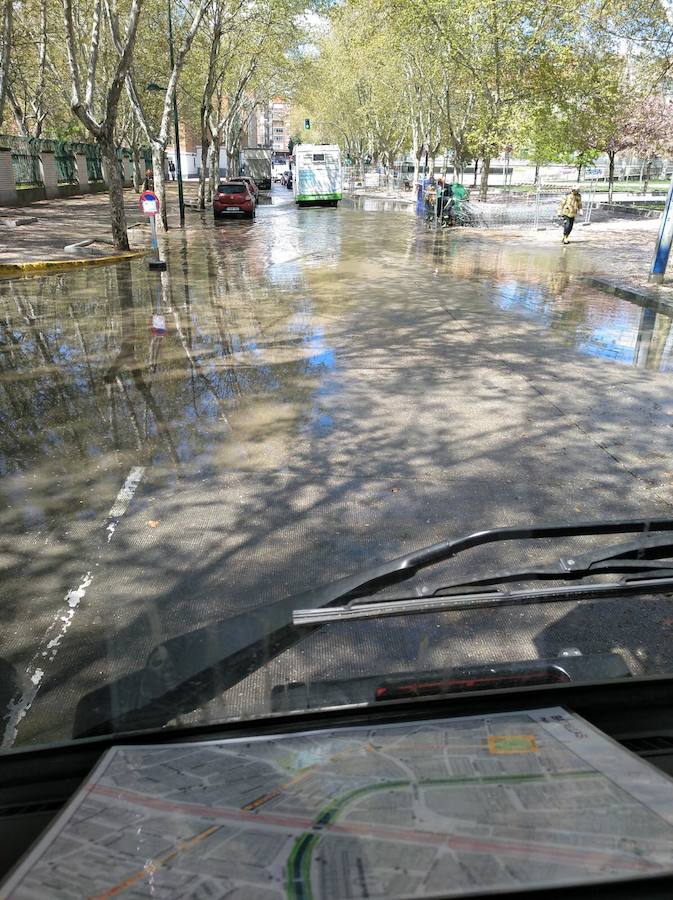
pixel 295 399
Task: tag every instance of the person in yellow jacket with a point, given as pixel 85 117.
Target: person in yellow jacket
pixel 570 206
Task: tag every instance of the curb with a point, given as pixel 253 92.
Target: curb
pixel 48 265
pixel 625 292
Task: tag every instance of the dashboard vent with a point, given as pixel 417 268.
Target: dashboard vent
pixel 26 809
pixel 655 743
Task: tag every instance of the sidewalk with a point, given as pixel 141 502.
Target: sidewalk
pixel 616 252
pixel 614 256
pixel 61 222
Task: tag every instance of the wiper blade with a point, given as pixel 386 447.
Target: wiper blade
pixel 485 599
pixel 187 671
pixel 638 557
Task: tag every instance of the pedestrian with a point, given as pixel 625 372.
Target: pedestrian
pixel 440 198
pixel 430 199
pixel 570 206
pixel 148 184
pixel 171 169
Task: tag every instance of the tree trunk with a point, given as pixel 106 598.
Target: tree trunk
pixel 6 12
pixel 116 195
pixel 476 168
pixel 160 182
pixel 233 160
pixel 214 165
pixel 137 176
pixel 537 173
pixel 646 181
pixel 579 172
pixel 611 174
pixel 203 170
pixel 417 154
pixel 485 171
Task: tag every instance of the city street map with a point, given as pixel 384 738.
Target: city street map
pixel 433 808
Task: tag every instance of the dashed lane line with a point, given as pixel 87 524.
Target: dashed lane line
pixel 48 648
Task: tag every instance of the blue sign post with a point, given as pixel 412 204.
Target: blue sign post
pixel 664 238
pixel 149 204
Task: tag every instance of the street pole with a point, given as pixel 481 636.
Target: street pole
pixel 663 246
pixel 178 161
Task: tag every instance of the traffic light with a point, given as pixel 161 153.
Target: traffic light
pixel 307 124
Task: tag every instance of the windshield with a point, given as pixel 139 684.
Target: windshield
pixel 447 321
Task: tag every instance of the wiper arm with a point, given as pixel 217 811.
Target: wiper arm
pixel 187 671
pixel 631 557
pixel 639 557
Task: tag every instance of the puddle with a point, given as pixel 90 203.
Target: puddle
pixel 595 323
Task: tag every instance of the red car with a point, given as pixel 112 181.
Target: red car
pixel 234 198
pixel 251 184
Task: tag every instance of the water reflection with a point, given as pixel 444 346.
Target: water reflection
pixel 102 369
pixel 594 323
pixel 538 285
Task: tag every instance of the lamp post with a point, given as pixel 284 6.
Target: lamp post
pixel 152 86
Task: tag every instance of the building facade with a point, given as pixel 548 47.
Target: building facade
pixel 279 125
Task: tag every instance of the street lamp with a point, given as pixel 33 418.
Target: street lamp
pixel 153 86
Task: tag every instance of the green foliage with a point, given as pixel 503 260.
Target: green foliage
pixel 476 75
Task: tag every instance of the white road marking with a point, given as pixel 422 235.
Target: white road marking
pixel 50 643
pixel 125 495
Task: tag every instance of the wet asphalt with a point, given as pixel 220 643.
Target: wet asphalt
pixel 295 399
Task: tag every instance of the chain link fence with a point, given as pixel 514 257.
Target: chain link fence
pixel 536 209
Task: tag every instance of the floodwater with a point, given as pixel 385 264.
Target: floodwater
pixel 294 399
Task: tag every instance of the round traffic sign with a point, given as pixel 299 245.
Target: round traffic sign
pixel 149 203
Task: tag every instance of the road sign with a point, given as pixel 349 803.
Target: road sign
pixel 149 203
pixel 158 325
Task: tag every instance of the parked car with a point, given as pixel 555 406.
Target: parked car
pixel 251 184
pixel 234 198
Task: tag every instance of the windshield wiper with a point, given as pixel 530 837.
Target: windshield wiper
pixel 646 562
pixel 185 672
pixel 639 560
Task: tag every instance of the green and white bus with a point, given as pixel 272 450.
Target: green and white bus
pixel 317 174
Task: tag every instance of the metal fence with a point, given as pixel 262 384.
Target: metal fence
pixel 25 154
pixel 537 210
pixel 64 159
pixel 94 164
pixel 27 167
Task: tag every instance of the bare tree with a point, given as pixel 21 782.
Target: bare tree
pixel 27 88
pixel 6 21
pixel 159 138
pixel 84 100
pixel 206 102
